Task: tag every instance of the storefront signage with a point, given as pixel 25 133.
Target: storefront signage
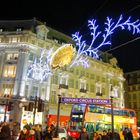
pixel 84 100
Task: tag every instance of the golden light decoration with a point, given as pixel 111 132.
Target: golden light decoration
pixel 62 56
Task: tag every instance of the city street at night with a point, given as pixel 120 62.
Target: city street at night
pixel 70 70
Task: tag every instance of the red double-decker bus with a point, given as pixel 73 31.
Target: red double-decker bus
pixel 96 118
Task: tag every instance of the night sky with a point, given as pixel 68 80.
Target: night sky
pixel 69 16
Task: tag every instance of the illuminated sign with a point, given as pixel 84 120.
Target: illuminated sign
pixel 85 101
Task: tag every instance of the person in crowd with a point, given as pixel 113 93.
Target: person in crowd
pixel 38 133
pixel 84 135
pixel 5 133
pixel 24 134
pixel 109 133
pixel 100 136
pixel 48 134
pixel 15 130
pixel 31 135
pixel 27 126
pixel 116 135
pixel 96 136
pixel 105 136
pixel 125 133
pixel 129 134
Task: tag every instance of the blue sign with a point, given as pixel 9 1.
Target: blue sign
pixel 84 100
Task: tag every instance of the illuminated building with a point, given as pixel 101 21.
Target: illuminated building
pixel 132 93
pixel 22 41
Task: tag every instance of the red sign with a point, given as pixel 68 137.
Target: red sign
pixel 63 120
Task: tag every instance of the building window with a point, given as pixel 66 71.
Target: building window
pixel 31 56
pixel 97 78
pixel 71 83
pixel 92 88
pixel 134 97
pixel 87 75
pixel 77 72
pixel 8 89
pixel 55 79
pixel 82 73
pixel 9 71
pixel 64 80
pixel 53 97
pixel 92 76
pixel 76 84
pixel 12 56
pixel 35 91
pixel 26 90
pixel 103 79
pixel 87 87
pixel 134 105
pixel 103 90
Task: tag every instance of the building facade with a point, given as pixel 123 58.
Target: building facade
pixel 20 43
pixel 132 99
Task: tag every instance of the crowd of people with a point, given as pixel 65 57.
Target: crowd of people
pixel 29 132
pixel 106 135
pixel 35 132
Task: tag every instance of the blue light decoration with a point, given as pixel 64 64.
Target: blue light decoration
pixel 40 69
pixel 84 50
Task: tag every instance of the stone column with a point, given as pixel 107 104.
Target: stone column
pixel 21 73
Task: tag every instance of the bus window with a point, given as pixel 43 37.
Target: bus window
pixel 125 113
pixel 89 127
pixel 132 113
pixel 107 110
pixel 78 107
pixel 116 112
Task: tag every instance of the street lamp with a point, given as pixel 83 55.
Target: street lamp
pixel 34 113
pixel 58 115
pixel 112 116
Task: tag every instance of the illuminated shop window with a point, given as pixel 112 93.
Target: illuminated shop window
pixel 9 71
pixel 12 56
pixel 14 40
pixel 8 89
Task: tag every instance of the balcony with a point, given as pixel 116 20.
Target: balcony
pixel 83 90
pixel 63 86
pixel 99 94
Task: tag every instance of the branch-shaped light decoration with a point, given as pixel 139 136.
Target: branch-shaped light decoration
pixel 91 49
pixel 40 69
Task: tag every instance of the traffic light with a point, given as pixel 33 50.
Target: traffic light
pixel 9 107
pixel 29 107
pixel 40 107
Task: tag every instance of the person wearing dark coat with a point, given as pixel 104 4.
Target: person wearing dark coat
pixel 105 136
pixel 84 135
pixel 129 135
pixel 5 133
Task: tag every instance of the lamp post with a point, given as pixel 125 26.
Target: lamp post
pixel 58 115
pixel 112 116
pixel 34 113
